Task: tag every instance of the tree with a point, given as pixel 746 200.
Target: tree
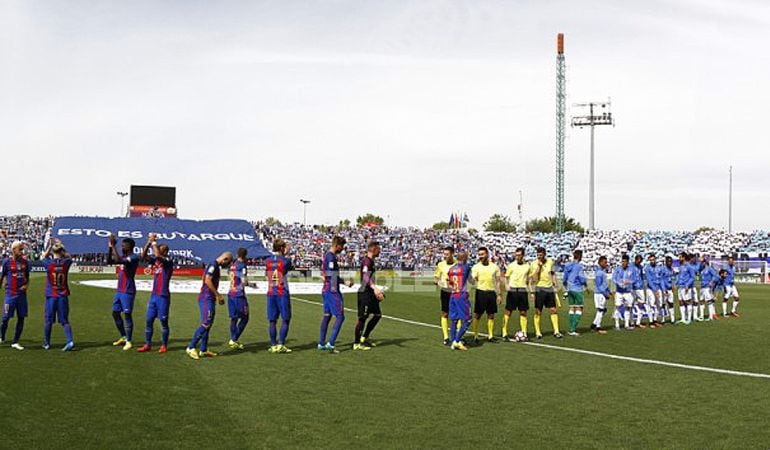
pixel 703 229
pixel 441 226
pixel 344 224
pixel 548 225
pixel 369 218
pixel 270 221
pixel 499 222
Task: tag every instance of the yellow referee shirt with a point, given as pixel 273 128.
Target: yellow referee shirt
pixel 442 274
pixel 545 280
pixel 518 275
pixel 486 276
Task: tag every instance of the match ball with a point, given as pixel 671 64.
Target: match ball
pixel 520 336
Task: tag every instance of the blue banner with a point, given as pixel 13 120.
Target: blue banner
pixel 196 240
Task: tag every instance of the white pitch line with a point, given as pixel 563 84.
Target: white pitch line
pixel 585 352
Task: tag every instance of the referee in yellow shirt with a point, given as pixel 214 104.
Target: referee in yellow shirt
pixel 517 283
pixel 542 274
pixel 440 279
pixel 486 275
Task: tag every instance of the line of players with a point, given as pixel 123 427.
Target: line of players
pixel 641 291
pixel 57 262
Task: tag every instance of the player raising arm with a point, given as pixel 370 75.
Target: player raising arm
pixel 125 293
pixel 160 298
pixel 57 291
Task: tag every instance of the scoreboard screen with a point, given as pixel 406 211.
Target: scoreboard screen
pixel 153 196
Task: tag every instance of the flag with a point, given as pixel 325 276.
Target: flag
pixel 465 219
pixel 451 220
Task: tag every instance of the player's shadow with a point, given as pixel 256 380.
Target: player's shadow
pixel 394 342
pixel 179 344
pixel 251 348
pixel 79 345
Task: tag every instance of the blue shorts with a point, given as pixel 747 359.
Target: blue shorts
pixel 278 305
pixel 459 306
pixel 123 302
pixel 158 307
pixel 333 304
pixel 15 305
pixel 238 306
pixel 208 310
pixel 57 308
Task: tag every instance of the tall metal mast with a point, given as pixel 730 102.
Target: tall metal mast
pixel 598 114
pixel 561 96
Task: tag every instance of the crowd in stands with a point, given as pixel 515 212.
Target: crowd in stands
pixel 408 248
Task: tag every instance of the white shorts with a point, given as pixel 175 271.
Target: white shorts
pixel 624 298
pixel 600 301
pixel 731 292
pixel 685 294
pixel 706 295
pixel 668 296
pixel 653 299
pixel 639 295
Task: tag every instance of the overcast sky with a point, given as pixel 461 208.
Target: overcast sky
pixel 407 109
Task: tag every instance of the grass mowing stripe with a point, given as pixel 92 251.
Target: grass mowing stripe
pixel 581 351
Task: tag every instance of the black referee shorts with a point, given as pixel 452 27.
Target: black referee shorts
pixel 368 304
pixel 545 298
pixel 445 301
pixel 486 302
pixel 517 300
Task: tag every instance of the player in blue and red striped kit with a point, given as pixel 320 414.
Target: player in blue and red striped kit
pixel 57 293
pixel 16 271
pixel 237 304
pixel 160 298
pixel 123 302
pixel 278 298
pixel 332 297
pixel 459 302
pixel 207 300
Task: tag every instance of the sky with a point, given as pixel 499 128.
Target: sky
pixel 405 109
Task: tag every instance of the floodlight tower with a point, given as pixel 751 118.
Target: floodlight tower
pixel 561 96
pixel 598 114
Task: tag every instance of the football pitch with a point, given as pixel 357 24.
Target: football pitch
pixel 408 392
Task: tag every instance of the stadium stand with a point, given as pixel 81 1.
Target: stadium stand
pixel 408 248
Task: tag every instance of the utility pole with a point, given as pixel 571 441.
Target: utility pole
pixel 730 204
pixel 304 211
pixel 561 97
pixel 598 114
pixel 122 203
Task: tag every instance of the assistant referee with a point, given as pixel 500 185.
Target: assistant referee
pixel 440 279
pixel 486 274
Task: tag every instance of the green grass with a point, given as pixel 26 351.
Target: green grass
pixel 408 392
